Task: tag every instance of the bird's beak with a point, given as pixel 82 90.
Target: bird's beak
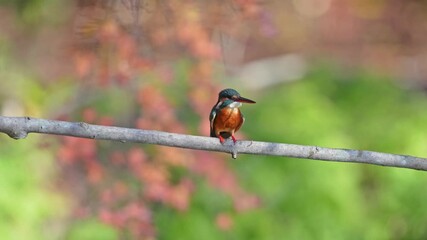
pixel 244 100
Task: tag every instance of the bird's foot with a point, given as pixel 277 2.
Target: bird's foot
pixel 234 139
pixel 221 139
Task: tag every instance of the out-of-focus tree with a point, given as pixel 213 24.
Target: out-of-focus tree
pixel 158 59
pixel 156 65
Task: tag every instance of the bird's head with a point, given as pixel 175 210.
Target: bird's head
pixel 232 95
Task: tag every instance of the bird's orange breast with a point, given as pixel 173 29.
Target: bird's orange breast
pixel 228 120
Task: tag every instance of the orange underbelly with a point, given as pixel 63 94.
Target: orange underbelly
pixel 228 120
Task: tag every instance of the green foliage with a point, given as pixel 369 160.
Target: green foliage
pixel 92 230
pixel 301 199
pixel 304 199
pixel 27 207
pixel 318 200
pixel 34 12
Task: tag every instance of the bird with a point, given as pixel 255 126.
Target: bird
pixel 225 117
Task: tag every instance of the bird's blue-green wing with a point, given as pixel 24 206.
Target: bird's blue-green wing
pixel 211 120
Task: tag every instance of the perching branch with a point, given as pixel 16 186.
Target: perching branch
pixel 19 127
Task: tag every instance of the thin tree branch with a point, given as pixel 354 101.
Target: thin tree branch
pixel 19 127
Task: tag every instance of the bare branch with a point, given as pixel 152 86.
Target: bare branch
pixel 19 127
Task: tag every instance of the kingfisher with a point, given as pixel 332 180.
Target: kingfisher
pixel 225 116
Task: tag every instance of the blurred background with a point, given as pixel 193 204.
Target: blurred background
pixel 344 74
